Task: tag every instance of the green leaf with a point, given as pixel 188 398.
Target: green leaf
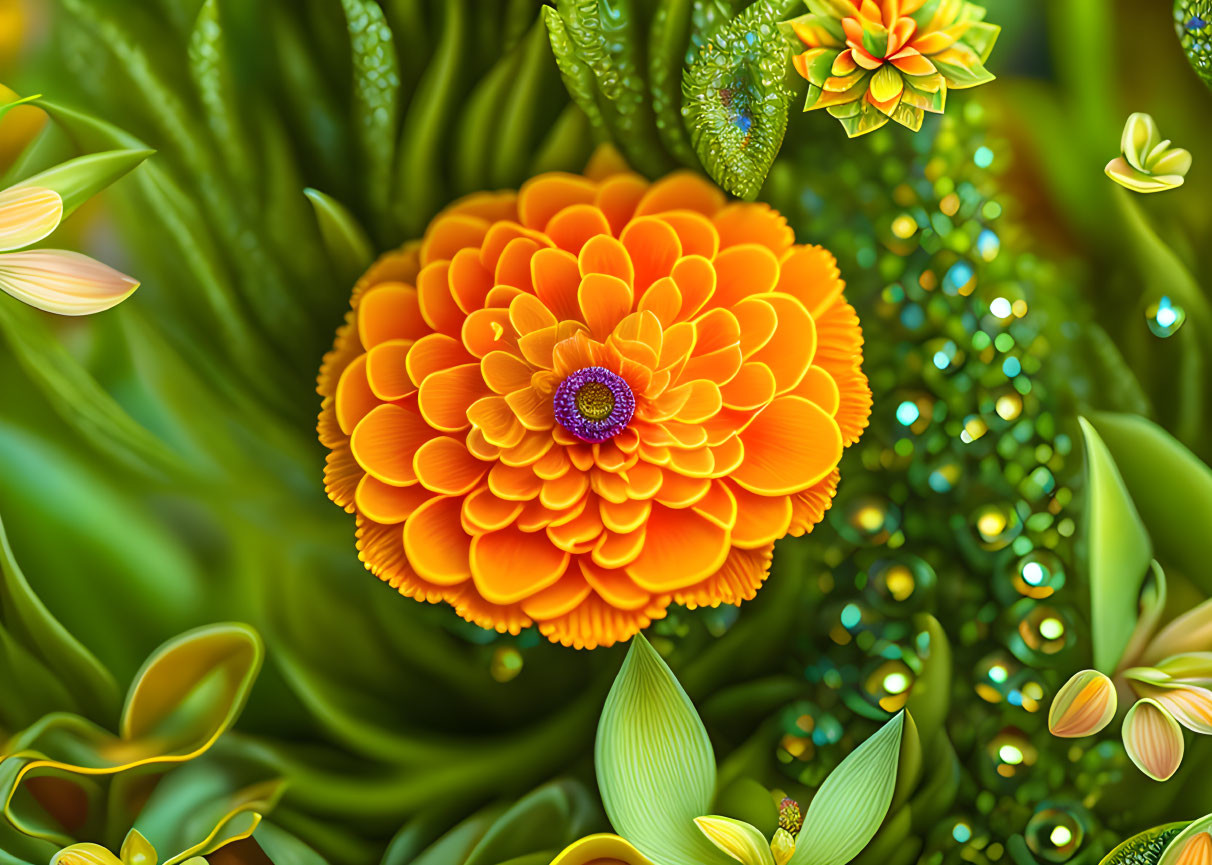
pixel 1170 487
pixel 27 621
pixel 349 249
pixel 578 77
pixel 79 179
pixel 1174 850
pixel 6 107
pixel 736 99
pixel 667 39
pixel 655 766
pixel 210 64
pixel 852 803
pixel 931 695
pixel 1141 848
pixel 1118 552
pixel 522 114
pixel 376 93
pixel 738 839
pixel 547 819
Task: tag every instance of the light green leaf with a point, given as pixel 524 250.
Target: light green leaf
pixel 1174 850
pixel 1118 551
pixel 1170 487
pixel 547 819
pixel 27 620
pixel 931 695
pixel 4 109
pixel 853 801
pixel 1141 847
pixel 655 766
pixel 738 839
pixel 79 179
pixel 348 247
pixel 1139 138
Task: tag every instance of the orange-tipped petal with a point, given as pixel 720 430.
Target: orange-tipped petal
pixel 1153 740
pixel 448 234
pixel 354 399
pixel 62 282
pixel 438 306
pixel 604 301
pixel 445 396
pixel 1190 706
pixel 556 278
pixel 604 254
pixel 652 247
pixel 385 441
pixel 681 191
pixel 544 196
pixel 743 271
pixel 737 580
pixel 1083 706
pixel 573 227
pixel 510 565
pixel 695 232
pixel 444 466
pixel 386 504
pixel 618 197
pixel 793 345
pixel 387 370
pixel 753 222
pixel 390 310
pixel 435 543
pixel 682 549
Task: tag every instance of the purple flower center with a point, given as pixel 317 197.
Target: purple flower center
pixel 594 404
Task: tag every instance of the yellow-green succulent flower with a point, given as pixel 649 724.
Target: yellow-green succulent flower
pixel 1148 163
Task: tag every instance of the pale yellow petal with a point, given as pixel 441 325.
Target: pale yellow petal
pixel 597 849
pixel 62 282
pixel 28 214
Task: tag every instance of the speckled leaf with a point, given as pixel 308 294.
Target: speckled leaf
pixel 737 101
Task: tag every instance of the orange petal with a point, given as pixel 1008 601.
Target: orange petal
pixel 758 322
pixel 696 462
pixel 595 623
pixel 435 543
pixel 604 254
pixel 354 398
pixel 808 508
pixel 696 280
pixel 469 280
pixel 789 447
pixel 704 402
pixel 387 369
pixel 488 330
pixel 617 198
pixel 811 274
pixel 695 232
pixel 604 301
pixel 737 580
pixel 793 346
pixel 445 396
pixel 565 491
pixel 513 267
pixel 527 313
pixel 386 504
pixel 719 505
pixel 448 234
pixel 533 409
pixel 385 441
pixel 662 299
pixel 682 190
pixel 492 206
pixel 381 549
pixel 487 513
pixel 744 271
pixel 1196 851
pixel 576 531
pixel 624 517
pixel 510 565
pixel 753 222
pixel 819 386
pixel 500 236
pixel 719 366
pixel 1083 706
pixel 530 450
pixel 761 520
pixel 390 310
pixel 342 474
pixel 504 372
pixel 556 277
pixel 560 599
pixel 514 484
pixel 544 196
pixel 840 353
pixel 681 549
pixel 614 586
pixel 437 304
pixel 443 465
pixel 502 618
pixel 653 248
pixel 433 353
pixel 911 62
pixel 574 226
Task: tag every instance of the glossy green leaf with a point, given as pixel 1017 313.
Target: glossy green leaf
pixel 523 114
pixel 1174 850
pixel 79 179
pixel 26 620
pixel 736 99
pixel 578 77
pixel 349 249
pixel 1142 848
pixel 738 839
pixel 547 819
pixel 1118 552
pixel 655 766
pixel 1171 488
pixel 667 40
pixel 376 93
pixel 852 803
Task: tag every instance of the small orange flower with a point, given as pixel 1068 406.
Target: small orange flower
pixel 576 404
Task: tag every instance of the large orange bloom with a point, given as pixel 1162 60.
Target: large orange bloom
pixel 575 404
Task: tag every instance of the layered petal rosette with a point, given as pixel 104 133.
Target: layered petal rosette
pixel 576 404
pixel 871 61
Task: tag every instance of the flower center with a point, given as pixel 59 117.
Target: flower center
pixel 594 404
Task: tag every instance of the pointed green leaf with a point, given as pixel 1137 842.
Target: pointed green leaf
pixel 578 78
pixel 737 101
pixel 1170 487
pixel 1118 552
pixel 348 247
pixel 738 839
pixel 655 766
pixel 79 179
pixel 853 801
pixel 6 107
pixel 30 623
pixel 667 39
pixel 931 695
pixel 547 819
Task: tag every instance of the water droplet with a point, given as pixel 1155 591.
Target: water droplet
pixel 1165 317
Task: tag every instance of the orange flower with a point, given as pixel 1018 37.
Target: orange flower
pixel 576 404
